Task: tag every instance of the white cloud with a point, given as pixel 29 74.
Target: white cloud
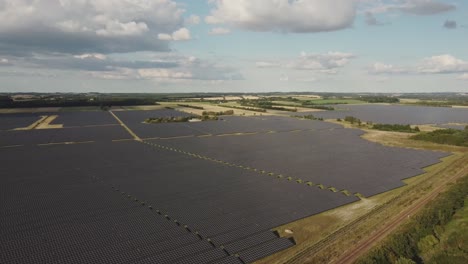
pixel 96 56
pixel 159 66
pixel 321 62
pixel 415 7
pixel 193 20
pixel 440 64
pixel 307 80
pixel 326 63
pixel 115 74
pixel 382 79
pixel 463 77
pixel 78 26
pixel 425 7
pixel 219 31
pixel 180 34
pixel 284 15
pixel 382 68
pixel 115 28
pixel 267 64
pixel 163 74
pixel 443 64
pixel 4 61
pixel 163 36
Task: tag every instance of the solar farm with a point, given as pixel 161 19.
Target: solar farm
pixel 105 187
pixel 398 114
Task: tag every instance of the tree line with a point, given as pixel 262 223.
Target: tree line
pixel 396 128
pixel 265 104
pixel 422 232
pixel 445 136
pixel 191 106
pixel 7 102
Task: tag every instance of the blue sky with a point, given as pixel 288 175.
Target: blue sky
pixel 233 46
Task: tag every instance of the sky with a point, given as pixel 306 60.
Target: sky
pixel 172 46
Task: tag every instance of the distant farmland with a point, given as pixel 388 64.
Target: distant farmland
pixel 108 188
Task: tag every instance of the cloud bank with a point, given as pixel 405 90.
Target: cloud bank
pixel 284 15
pixel 87 26
pixel 323 63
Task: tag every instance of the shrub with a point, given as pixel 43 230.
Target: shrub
pixel 395 127
pixel 352 119
pixel 191 106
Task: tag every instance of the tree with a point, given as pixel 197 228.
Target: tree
pixel 404 261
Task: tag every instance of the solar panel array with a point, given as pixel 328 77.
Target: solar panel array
pixel 90 118
pixel 397 114
pixel 226 124
pixel 164 207
pixel 12 121
pixel 335 158
pixel 75 134
pixel 181 200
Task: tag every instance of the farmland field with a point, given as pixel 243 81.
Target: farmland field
pixel 195 192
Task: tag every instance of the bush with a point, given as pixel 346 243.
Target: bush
pixel 170 119
pixel 380 99
pixel 309 104
pixel 191 106
pixel 212 113
pixel 352 119
pixel 395 127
